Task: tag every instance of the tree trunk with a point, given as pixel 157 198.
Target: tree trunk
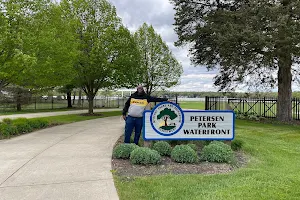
pixel 19 107
pixel 79 98
pixel 69 98
pixel 19 96
pixel 166 122
pixel 91 104
pixel 284 103
pixel 74 94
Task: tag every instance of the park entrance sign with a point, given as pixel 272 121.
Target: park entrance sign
pixel 167 121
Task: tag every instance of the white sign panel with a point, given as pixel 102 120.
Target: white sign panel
pixel 168 122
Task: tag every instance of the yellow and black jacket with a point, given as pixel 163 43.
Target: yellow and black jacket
pixel 136 104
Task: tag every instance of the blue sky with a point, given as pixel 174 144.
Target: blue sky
pixel 160 14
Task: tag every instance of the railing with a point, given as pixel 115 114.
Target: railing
pixel 265 107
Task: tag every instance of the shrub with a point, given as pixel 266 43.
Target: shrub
pixel 145 156
pixel 163 148
pixel 177 142
pixel 193 146
pixel 217 151
pixel 7 130
pixel 184 154
pixel 236 144
pixel 38 123
pixel 7 120
pixel 22 125
pixel 124 150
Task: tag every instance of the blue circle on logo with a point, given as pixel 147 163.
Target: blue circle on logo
pixel 172 133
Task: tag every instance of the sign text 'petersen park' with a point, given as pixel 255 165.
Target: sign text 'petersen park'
pixel 168 122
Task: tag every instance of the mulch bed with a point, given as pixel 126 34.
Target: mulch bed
pixel 123 167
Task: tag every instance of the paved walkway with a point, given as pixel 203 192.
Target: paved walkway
pixel 46 114
pixel 69 162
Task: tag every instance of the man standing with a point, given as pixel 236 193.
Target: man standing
pixel 135 107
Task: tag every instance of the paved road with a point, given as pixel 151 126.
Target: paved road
pixel 46 114
pixel 69 162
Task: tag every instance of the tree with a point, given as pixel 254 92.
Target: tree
pixel 13 59
pixel 37 48
pixel 67 89
pixel 16 95
pixel 160 69
pixel 166 114
pixel 55 48
pixel 108 54
pixel 245 40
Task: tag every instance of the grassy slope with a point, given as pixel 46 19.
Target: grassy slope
pixel 64 119
pixel 192 105
pixel 272 173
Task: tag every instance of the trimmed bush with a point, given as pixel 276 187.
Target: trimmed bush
pixel 217 151
pixel 38 123
pixel 124 150
pixel 163 148
pixel 22 125
pixel 144 156
pixel 193 146
pixel 7 121
pixel 8 130
pixel 236 144
pixel 184 154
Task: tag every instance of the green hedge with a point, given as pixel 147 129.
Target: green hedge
pixel 9 127
pixel 145 156
pixel 217 151
pixel 184 154
pixel 163 148
pixel 123 151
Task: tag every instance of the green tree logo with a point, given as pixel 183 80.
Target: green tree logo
pixel 165 115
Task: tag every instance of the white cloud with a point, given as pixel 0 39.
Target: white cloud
pixel 160 14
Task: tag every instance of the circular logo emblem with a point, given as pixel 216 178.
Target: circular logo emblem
pixel 167 118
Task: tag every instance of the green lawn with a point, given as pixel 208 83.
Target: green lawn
pixel 272 173
pixel 192 105
pixel 64 119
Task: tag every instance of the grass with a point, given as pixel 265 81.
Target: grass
pixel 13 112
pixel 62 119
pixel 192 105
pixel 272 173
pixel 65 119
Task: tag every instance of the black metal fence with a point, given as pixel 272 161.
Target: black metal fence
pixel 57 102
pixel 265 107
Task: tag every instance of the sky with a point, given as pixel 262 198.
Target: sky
pixel 160 14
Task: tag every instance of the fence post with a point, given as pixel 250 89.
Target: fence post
pixel 35 103
pixel 264 106
pixel 206 102
pixel 225 100
pixel 118 101
pixel 52 102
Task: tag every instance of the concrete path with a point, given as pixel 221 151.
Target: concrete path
pixel 69 162
pixel 46 114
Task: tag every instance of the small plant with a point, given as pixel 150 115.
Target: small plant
pixel 163 148
pixel 177 142
pixel 184 154
pixel 124 150
pixel 38 123
pixel 8 130
pixel 22 125
pixel 253 117
pixel 207 142
pixel 193 146
pixel 145 156
pixel 236 144
pixel 217 151
pixel 7 120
